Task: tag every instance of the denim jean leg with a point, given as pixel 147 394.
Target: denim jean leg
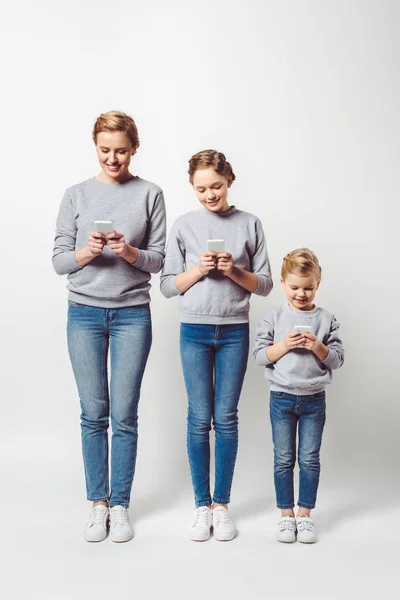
pixel 284 429
pixel 130 343
pixel 88 348
pixel 311 426
pixel 197 356
pixel 232 349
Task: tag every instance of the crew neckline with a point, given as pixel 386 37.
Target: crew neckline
pixel 232 210
pixel 307 313
pixel 117 185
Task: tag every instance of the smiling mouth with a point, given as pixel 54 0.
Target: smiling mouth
pixel 113 167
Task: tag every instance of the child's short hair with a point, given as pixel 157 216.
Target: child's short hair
pixel 115 120
pixel 301 261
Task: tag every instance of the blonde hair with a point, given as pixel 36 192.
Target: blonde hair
pixel 301 261
pixel 114 120
pixel 214 159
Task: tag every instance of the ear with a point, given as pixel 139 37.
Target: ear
pixel 283 283
pixel 317 286
pixel 229 183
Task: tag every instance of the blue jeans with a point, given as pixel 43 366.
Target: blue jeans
pixel 92 332
pixel 286 412
pixel 214 361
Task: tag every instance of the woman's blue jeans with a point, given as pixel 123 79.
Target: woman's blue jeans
pixel 214 361
pixel 93 334
pixel 289 414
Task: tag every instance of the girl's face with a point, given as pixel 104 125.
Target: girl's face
pixel 114 150
pixel 300 291
pixel 211 189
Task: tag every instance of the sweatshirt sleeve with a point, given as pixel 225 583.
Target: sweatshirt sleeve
pixel 260 263
pixel 151 256
pixel 64 243
pixel 264 337
pixel 174 263
pixel 335 357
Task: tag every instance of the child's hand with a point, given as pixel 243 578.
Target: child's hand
pixel 207 262
pixel 294 340
pixel 315 345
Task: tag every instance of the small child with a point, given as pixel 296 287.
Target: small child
pixel 299 365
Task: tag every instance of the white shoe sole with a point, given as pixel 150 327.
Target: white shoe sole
pixel 199 537
pixel 307 541
pixel 121 538
pixel 225 537
pixel 94 538
pixel 286 540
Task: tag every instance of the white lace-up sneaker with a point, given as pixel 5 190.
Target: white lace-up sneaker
pixel 286 530
pixel 96 527
pixel 305 530
pixel 199 530
pixel 120 527
pixel 224 530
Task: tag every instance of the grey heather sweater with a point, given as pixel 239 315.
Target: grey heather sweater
pixel 137 210
pixel 299 371
pixel 215 298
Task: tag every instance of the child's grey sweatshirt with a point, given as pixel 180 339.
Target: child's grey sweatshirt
pixel 299 371
pixel 137 210
pixel 215 298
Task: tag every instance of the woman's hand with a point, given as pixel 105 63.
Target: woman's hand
pixel 116 242
pixel 96 243
pixel 225 263
pixel 311 342
pixel 207 263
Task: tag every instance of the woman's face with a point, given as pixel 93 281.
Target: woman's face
pixel 114 150
pixel 211 189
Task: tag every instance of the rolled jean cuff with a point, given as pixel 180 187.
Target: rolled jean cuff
pixel 204 503
pixel 221 500
pixel 286 506
pixel 304 505
pixel 104 499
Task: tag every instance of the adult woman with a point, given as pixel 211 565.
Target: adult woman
pixel 215 288
pixel 109 282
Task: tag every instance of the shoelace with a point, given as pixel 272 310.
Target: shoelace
pixel 286 525
pixel 305 524
pixel 97 516
pixel 222 516
pixel 119 516
pixel 200 515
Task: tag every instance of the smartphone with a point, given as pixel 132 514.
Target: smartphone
pixel 302 328
pixel 104 226
pixel 216 245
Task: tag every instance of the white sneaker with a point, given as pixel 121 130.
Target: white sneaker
pixel 199 530
pixel 224 530
pixel 305 530
pixel 96 527
pixel 286 530
pixel 120 527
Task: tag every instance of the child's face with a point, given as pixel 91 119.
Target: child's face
pixel 300 291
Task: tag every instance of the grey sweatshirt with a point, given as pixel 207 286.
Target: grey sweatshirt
pixel 299 371
pixel 215 298
pixel 137 210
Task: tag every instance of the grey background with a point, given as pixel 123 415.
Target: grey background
pixel 303 98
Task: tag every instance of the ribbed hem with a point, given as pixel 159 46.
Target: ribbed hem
pixel 298 391
pixel 214 319
pixel 139 299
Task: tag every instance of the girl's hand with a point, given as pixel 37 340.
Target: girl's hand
pixel 225 263
pixel 311 342
pixel 294 340
pixel 96 243
pixel 116 243
pixel 207 262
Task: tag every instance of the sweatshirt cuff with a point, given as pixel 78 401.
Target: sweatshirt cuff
pixel 264 285
pixel 262 358
pixel 65 263
pixel 330 360
pixel 141 260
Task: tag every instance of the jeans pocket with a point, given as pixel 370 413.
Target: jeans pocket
pixel 319 396
pixel 277 394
